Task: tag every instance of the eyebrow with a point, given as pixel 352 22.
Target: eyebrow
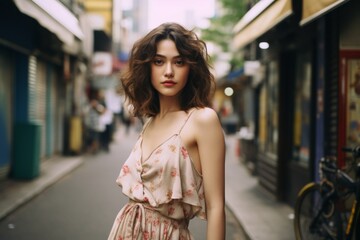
pixel 162 56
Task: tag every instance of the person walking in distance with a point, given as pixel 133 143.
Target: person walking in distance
pixel 175 171
pixel 94 126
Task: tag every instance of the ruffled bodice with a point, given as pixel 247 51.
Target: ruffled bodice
pixel 167 180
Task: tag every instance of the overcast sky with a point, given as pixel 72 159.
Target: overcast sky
pixel 190 13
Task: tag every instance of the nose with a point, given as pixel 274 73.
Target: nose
pixel 169 70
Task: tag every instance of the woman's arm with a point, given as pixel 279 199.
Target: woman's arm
pixel 211 147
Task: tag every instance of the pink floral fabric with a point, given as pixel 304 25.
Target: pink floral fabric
pixel 165 192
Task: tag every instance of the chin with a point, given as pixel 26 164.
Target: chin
pixel 168 94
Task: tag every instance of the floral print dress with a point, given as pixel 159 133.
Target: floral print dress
pixel 165 192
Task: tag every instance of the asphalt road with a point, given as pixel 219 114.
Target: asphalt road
pixel 83 205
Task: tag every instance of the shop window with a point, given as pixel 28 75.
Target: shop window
pixel 349 103
pixel 268 117
pixel 353 103
pixel 302 109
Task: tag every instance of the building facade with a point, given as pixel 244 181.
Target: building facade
pixel 40 55
pixel 305 87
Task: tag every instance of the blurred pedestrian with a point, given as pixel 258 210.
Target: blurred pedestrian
pixel 106 119
pixel 176 168
pixel 127 117
pixel 94 126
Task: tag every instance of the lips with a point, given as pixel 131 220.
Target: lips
pixel 168 83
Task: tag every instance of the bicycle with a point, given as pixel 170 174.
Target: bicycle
pixel 321 208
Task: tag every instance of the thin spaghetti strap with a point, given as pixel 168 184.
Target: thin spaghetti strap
pixel 145 125
pixel 186 120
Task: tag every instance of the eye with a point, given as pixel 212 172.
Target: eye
pixel 180 62
pixel 158 61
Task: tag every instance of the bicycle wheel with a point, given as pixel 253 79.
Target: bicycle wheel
pixel 308 204
pixel 356 224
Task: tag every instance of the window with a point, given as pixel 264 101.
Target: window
pixel 302 109
pixel 349 103
pixel 268 117
pixel 353 103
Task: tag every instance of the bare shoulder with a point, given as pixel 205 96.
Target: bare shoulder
pixel 205 114
pixel 206 117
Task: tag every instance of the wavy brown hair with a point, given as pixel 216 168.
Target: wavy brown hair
pixel 137 80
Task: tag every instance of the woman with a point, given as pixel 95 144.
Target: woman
pixel 176 168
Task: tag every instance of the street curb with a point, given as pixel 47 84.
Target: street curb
pixel 240 223
pixel 232 198
pixel 15 193
pixel 259 213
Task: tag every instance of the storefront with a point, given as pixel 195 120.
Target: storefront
pixel 262 23
pixel 48 108
pixel 268 134
pixel 349 79
pixel 6 104
pixel 33 41
pixel 308 97
pixel 302 143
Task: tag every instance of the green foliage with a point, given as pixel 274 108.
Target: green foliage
pixel 220 30
pixel 234 10
pixel 236 61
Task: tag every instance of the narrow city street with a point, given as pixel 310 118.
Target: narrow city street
pixel 84 204
pixel 283 77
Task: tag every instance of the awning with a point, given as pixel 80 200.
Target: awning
pixel 313 9
pixel 235 74
pixel 54 16
pixel 233 78
pixel 265 15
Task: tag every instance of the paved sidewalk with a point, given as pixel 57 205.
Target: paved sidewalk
pixel 262 217
pixel 14 193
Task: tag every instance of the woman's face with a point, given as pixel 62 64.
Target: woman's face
pixel 169 71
